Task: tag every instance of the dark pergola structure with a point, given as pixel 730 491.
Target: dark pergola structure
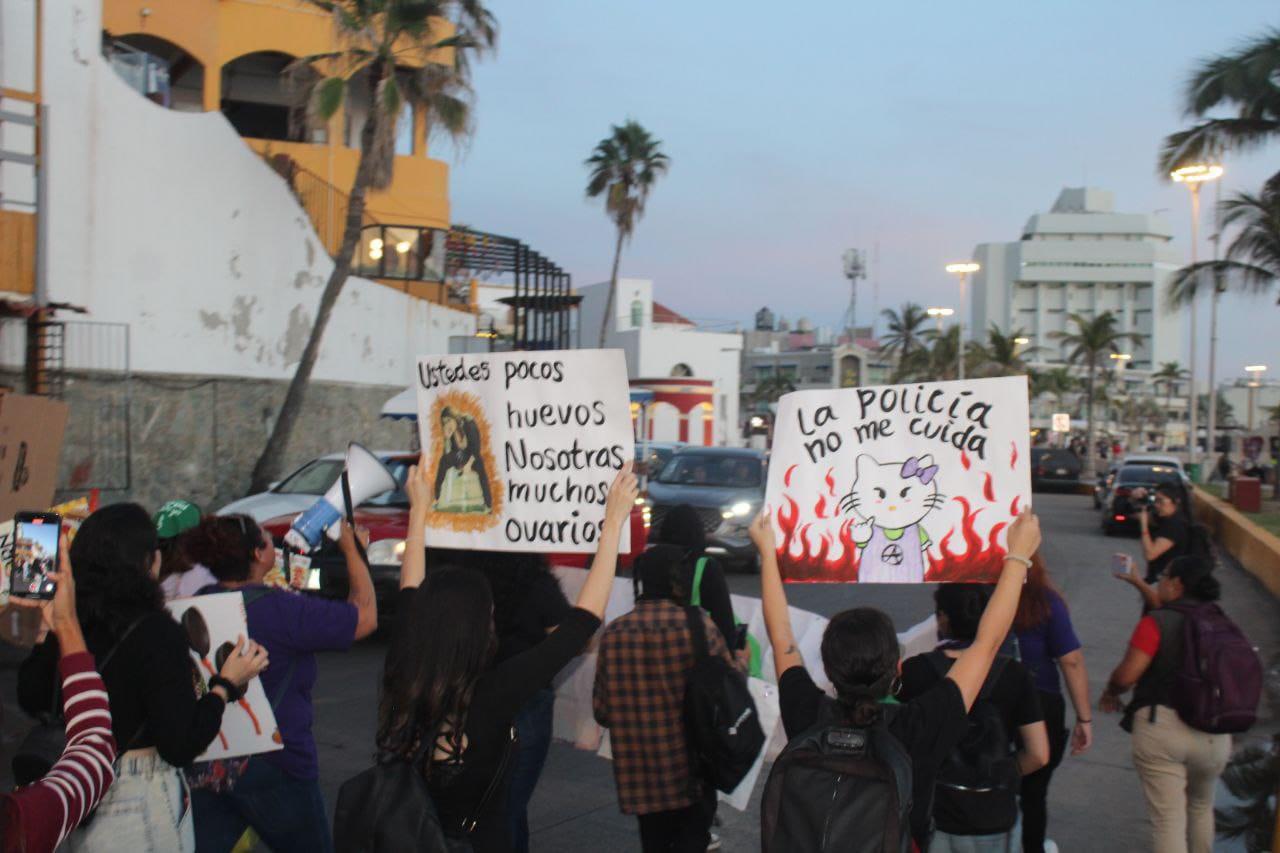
pixel 543 295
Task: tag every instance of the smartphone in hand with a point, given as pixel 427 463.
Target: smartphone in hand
pixel 1121 563
pixel 35 554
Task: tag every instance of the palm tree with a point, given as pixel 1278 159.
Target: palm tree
pixel 376 39
pixel 769 389
pixel 1170 374
pixel 624 167
pixel 1242 82
pixel 1252 260
pixel 1005 356
pixel 941 360
pixel 1092 339
pixel 1056 382
pixel 905 331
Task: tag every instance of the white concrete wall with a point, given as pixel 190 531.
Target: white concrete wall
pixel 169 222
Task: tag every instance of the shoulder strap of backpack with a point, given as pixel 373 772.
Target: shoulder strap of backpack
pixel 939 661
pixel 697 632
pixel 993 676
pixel 695 595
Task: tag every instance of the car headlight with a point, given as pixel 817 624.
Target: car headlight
pixel 386 552
pixel 739 510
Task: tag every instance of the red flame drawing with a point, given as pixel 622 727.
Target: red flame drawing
pixel 821 562
pixel 786 478
pixel 831 482
pixel 1013 507
pixel 814 565
pixel 988 490
pixel 820 508
pixel 1013 454
pixel 964 460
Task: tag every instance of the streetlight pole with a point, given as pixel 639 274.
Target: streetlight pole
pixel 1211 441
pixel 939 314
pixel 962 270
pixel 1193 176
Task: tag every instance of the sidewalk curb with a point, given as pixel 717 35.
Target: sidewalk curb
pixel 1256 549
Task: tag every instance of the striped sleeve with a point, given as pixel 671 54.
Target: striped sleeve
pixel 49 809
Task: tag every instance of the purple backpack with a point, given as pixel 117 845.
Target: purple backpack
pixel 1219 681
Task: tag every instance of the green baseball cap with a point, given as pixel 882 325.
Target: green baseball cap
pixel 176 517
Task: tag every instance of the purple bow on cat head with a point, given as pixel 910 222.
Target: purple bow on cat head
pixel 913 468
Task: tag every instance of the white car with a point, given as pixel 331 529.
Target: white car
pixel 1156 459
pixel 300 489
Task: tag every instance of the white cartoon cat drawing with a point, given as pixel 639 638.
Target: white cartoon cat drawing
pixel 889 501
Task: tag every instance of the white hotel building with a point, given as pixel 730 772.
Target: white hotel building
pixel 1083 257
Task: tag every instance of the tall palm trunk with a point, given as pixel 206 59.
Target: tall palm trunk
pixel 269 463
pixel 1168 404
pixel 1090 468
pixel 613 289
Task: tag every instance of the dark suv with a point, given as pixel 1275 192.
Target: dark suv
pixel 725 485
pixel 1054 467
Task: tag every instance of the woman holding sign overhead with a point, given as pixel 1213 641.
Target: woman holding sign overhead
pixel 445 706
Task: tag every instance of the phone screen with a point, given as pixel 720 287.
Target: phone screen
pixel 35 555
pixel 1120 562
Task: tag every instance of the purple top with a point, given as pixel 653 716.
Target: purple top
pixel 1044 644
pixel 293 627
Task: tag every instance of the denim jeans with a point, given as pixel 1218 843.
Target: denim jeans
pixel 1002 842
pixel 287 813
pixel 533 729
pixel 146 808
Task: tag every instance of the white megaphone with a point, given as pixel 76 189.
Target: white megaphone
pixel 366 477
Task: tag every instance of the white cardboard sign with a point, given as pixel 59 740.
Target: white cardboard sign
pixel 899 483
pixel 523 447
pixel 212 623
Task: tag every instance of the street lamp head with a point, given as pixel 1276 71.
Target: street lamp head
pixel 1121 356
pixel 1197 173
pixel 966 267
pixel 1022 342
pixel 1256 368
pixel 940 312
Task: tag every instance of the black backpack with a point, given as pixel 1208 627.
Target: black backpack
pixel 839 788
pixel 978 783
pixel 720 716
pixel 388 808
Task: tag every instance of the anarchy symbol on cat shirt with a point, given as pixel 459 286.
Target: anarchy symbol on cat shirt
pixel 891 555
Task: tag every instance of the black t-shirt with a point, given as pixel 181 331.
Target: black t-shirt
pixel 713 595
pixel 929 727
pixel 1173 528
pixel 498 696
pixel 1013 694
pixel 542 607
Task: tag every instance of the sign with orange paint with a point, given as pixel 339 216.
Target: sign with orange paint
pixel 899 483
pixel 522 447
pixel 212 624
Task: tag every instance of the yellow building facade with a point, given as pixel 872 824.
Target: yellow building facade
pixel 222 54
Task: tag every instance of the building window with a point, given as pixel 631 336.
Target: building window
pixel 682 369
pixel 405 252
pixel 637 313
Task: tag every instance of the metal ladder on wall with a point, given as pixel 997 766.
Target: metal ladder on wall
pixel 46 357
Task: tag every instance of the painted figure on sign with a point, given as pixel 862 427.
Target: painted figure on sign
pixel 462 483
pixel 889 501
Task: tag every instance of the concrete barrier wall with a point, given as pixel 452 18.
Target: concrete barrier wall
pixel 1256 549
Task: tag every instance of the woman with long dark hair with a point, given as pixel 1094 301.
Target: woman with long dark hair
pixel 698 578
pixel 1049 646
pixel 860 656
pixel 1172 534
pixel 445 705
pixel 1179 766
pixel 158 722
pixel 277 793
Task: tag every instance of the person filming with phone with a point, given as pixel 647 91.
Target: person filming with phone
pixel 157 720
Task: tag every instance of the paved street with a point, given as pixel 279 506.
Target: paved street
pixel 1095 800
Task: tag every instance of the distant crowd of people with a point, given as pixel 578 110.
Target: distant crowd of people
pixel 952 750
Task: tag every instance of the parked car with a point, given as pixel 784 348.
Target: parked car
pixel 1106 480
pixel 386 516
pixel 1054 467
pixel 1120 511
pixel 725 485
pixel 300 489
pixel 658 453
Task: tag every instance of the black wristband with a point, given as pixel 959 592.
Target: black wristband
pixel 233 693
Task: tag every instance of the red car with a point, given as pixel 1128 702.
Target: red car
pixel 386 517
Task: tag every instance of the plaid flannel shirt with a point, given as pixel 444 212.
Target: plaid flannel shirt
pixel 641 671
